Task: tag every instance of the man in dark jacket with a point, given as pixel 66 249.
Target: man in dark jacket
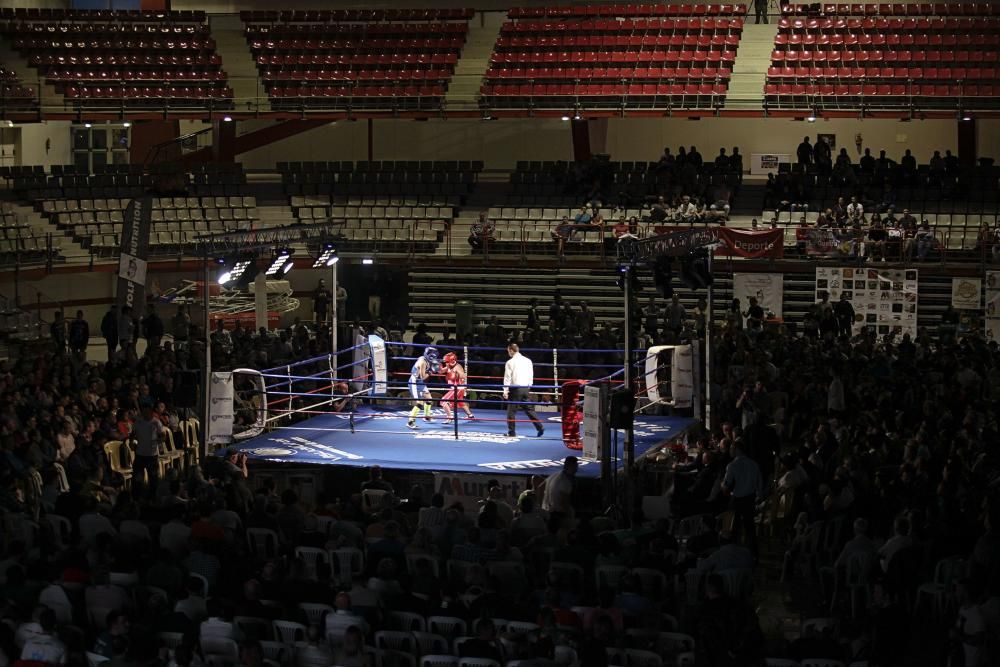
pixel 152 328
pixel 109 330
pixel 79 334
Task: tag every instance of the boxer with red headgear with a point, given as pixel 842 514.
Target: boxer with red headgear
pixel 455 376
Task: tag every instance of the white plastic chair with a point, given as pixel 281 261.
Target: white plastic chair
pixel 347 563
pixel 447 626
pixel 635 657
pixel 311 556
pixel 263 542
pixel 820 662
pixel 406 621
pixel 477 662
pixel 393 640
pixel 222 648
pixel 314 611
pixel 429 643
pixel 781 662
pixel 565 656
pixel 373 500
pixel 288 632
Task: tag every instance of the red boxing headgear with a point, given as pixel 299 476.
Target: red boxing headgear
pixel 450 359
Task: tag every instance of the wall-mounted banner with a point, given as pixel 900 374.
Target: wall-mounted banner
pixel 134 253
pixel 727 241
pixel 767 288
pixel 884 301
pixel 768 163
pixel 966 293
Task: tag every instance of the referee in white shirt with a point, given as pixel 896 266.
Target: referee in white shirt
pixel 518 376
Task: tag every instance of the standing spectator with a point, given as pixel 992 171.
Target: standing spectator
pixel 152 328
pixel 534 318
pixel 321 302
pixel 341 303
pixel 126 331
pixel 180 327
pixel 844 312
pixel 109 330
pixel 79 334
pixel 585 318
pixel 675 315
pixel 760 11
pixel 736 163
pixel 969 633
pixel 744 484
pixel 804 152
pixel 558 498
pixel 57 331
pixel 148 433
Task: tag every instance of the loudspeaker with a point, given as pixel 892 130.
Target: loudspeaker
pixel 186 389
pixel 622 410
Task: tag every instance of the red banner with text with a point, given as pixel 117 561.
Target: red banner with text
pixel 765 243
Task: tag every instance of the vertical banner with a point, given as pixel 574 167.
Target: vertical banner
pixel 681 375
pixel 595 421
pixel 133 254
pixel 966 293
pixel 767 288
pixel 884 301
pixel 220 409
pixel 993 305
pixel 359 369
pixel 380 372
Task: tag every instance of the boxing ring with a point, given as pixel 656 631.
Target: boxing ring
pixel 354 414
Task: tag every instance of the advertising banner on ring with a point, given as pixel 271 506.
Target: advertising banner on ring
pixel 470 488
pixel 134 252
pixel 220 412
pixel 380 371
pixel 595 421
pixel 681 375
pixel 767 288
pixel 993 305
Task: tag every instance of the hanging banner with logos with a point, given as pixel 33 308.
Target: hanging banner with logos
pixel 767 288
pixel 826 242
pixel 993 305
pixel 380 372
pixel 134 253
pixel 728 242
pixel 884 301
pixel 966 293
pixel 221 416
pixel 768 163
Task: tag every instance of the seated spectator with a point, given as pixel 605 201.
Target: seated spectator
pixel 44 646
pixel 562 233
pixel 484 644
pixel 350 652
pixel 482 231
pixel 339 623
pixel 729 556
pixel 113 643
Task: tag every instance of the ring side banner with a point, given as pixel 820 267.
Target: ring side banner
pixel 246 402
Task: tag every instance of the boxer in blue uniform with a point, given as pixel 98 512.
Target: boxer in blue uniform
pixel 427 365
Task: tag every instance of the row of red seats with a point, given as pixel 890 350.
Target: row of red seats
pixel 358 91
pixel 883 24
pixel 16 91
pixel 53 14
pixel 876 40
pixel 357 44
pixel 628 25
pixel 663 9
pixel 158 92
pixel 125 59
pixel 602 90
pixel 915 73
pixel 900 9
pixel 359 75
pixel 570 57
pixel 875 56
pixel 359 60
pixel 104 29
pixel 873 90
pixel 713 73
pixel 337 29
pixel 7 74
pixel 116 45
pixel 611 41
pixel 135 75
pixel 327 15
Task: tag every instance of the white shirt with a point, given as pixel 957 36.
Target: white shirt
pixel 44 648
pixel 893 545
pixel 519 372
pixel 970 621
pixel 338 622
pixel 855 210
pixel 25 632
pixel 557 493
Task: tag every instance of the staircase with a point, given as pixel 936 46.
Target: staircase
pixel 29 76
pixel 746 87
pixel 237 61
pixel 463 91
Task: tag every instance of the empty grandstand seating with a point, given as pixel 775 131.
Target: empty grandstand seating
pixel 111 58
pixel 882 57
pixel 14 95
pixel 384 59
pixel 385 177
pixel 614 56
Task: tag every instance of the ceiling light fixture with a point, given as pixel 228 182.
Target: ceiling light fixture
pixel 327 257
pixel 281 263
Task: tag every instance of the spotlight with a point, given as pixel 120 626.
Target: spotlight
pixel 126 124
pixel 328 257
pixel 811 118
pixel 227 119
pixel 282 263
pixel 234 274
pixel 966 116
pixel 87 125
pixel 577 116
pixel 367 261
pixel 565 118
